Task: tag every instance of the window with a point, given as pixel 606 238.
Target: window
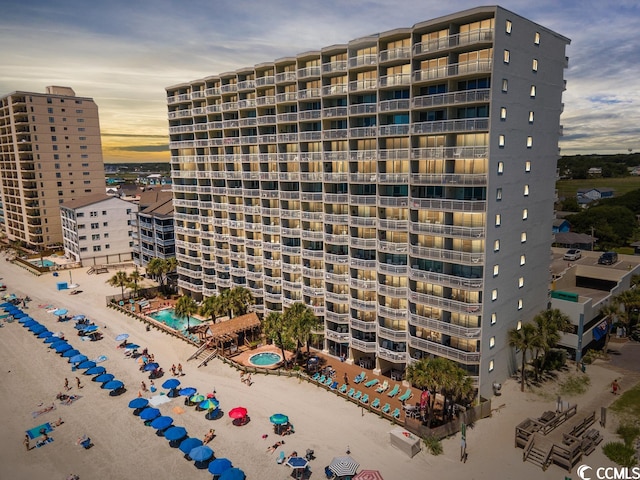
pixel 82 237
pixel 505 85
pixel 81 226
pixel 95 226
pixel 128 211
pixel 507 27
pixel 104 212
pixel 498 219
pixel 523 259
pixel 106 224
pixel 499 194
pixel 503 113
pixel 59 184
pixel 54 138
pixel 501 141
pixel 107 246
pixel 506 56
pixel 496 270
pixel 95 236
pixel 525 213
pixel 51 120
pixel 492 342
pixel 531 116
pixel 529 142
pixel 526 190
pixel 56 166
pixel 106 235
pixel 83 249
pixel 527 166
pixel 534 65
pixel 520 304
pixel 532 92
pixel 536 38
pixel 96 248
pixel 494 318
pixel 494 294
pixel 496 246
pixel 500 168
pixel 93 214
pixel 521 282
pixel 80 214
pixel 523 237
pixel 491 365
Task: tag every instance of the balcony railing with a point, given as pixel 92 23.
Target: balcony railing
pixel 444 351
pixel 444 327
pixel 444 279
pixel 366 347
pixel 447 255
pixel 391 355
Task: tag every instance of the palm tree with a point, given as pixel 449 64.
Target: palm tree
pixel 135 277
pixel 186 307
pixel 239 299
pixel 549 324
pixel 274 327
pixel 120 279
pixel 302 322
pixel 170 265
pixel 154 270
pixel 522 339
pixel 212 307
pixel 610 313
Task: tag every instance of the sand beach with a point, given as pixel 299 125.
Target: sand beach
pixel 31 375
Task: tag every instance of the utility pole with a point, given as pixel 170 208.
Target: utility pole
pixel 592 239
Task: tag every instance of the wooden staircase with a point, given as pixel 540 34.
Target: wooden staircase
pixel 538 452
pixel 197 353
pixel 211 356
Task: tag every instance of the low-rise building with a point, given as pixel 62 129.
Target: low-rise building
pixel 153 233
pixel 96 230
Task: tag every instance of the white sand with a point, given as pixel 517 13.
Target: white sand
pixel 124 448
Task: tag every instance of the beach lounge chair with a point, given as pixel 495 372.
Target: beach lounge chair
pixel 333 386
pixel 375 403
pixel 343 388
pixel 406 395
pixel 328 382
pixel 357 395
pixel 371 383
pixel 322 379
pixel 280 458
pixel 365 398
pixel 352 391
pixel 386 408
pixel 316 376
pixel 383 388
pixel 360 377
pixel 396 413
pixel 395 391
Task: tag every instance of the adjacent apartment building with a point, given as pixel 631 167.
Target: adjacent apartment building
pixel 400 184
pixel 153 231
pixel 50 152
pixel 97 229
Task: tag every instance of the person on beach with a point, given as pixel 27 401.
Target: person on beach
pixel 143 386
pixel 180 369
pixel 66 384
pixel 173 370
pixel 615 387
pixel 273 447
pixel 248 380
pixel 346 378
pixel 209 436
pixel 26 442
pixel 78 382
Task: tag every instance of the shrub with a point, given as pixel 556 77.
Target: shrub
pixel 591 356
pixel 574 385
pixel 628 433
pixel 433 445
pixel 556 359
pixel 620 453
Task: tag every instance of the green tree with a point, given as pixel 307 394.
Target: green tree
pixel 213 307
pixel 159 268
pixel 135 278
pixel 120 279
pixel 301 321
pixel 239 299
pixel 186 307
pixel 275 328
pixel 548 324
pixel 523 339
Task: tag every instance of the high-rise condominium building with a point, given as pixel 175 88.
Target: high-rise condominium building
pixel 401 185
pixel 50 152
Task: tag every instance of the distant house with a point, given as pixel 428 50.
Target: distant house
pixel 586 195
pixel 635 170
pixel 594 172
pixel 560 225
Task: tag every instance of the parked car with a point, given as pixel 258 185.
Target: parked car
pixel 573 254
pixel 608 258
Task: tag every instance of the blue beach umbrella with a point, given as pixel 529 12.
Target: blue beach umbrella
pixel 171 383
pixel 104 378
pixel 187 391
pixel 138 402
pixel 6 305
pixel 37 329
pixel 79 326
pixel 95 371
pixel 62 347
pixel 219 466
pixel 121 337
pixel 25 320
pixel 29 325
pixel 149 413
pixel 113 385
pixel 232 474
pixel 90 328
pixel 19 315
pixel 278 419
pixel 160 423
pixel 151 366
pixel 297 462
pixel 175 433
pixel 52 339
pixel 132 346
pixel 75 318
pixel 70 353
pixel 201 453
pixel 189 444
pixel 60 312
pixel 87 364
pixel 78 358
pixel 209 404
pixel 45 334
pixel 56 342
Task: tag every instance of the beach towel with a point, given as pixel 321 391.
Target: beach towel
pixel 73 399
pixel 35 432
pixel 44 442
pixel 178 410
pixel 159 400
pixel 43 410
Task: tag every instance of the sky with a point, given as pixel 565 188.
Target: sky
pixel 123 54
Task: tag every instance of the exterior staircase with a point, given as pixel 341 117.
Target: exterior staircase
pixel 538 452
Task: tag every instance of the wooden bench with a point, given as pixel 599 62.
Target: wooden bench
pixel 579 429
pixel 524 430
pixel 567 456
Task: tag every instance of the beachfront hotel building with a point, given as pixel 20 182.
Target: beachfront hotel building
pixel 401 185
pixel 50 152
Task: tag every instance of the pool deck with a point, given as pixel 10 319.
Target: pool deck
pixel 243 358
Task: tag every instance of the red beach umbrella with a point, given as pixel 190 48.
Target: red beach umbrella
pixel 368 475
pixel 238 413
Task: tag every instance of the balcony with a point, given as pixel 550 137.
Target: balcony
pixel 363 108
pixel 335 67
pixel 363 60
pixel 366 306
pixel 363 284
pixel 286 77
pixel 342 318
pixel 363 326
pixel 444 351
pixel 447 230
pixel 309 93
pixel 391 269
pixel 366 347
pixel 394 80
pixel 447 255
pixel 266 80
pixel 307 72
pixel 392 313
pixel 363 132
pixel 393 130
pixel 393 224
pixel 391 334
pixel 335 112
pixel 456 69
pixel 445 303
pixel 444 327
pixel 360 85
pixel 449 205
pixel 453 98
pixel 363 199
pixel 389 291
pixel 479 179
pixel 450 126
pixel 447 280
pixel 336 89
pixel 396 357
pixel 394 105
pixel 336 133
pixel 310 115
pixel 287 97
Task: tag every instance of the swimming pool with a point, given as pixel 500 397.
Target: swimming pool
pixel 168 317
pixel 265 359
pixel 42 263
